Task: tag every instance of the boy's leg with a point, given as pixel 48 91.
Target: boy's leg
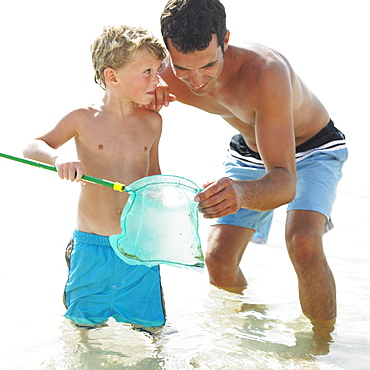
pixel 226 246
pixel 68 253
pixel 87 293
pixel 304 231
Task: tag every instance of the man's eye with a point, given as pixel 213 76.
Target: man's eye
pixel 178 68
pixel 209 66
pixel 148 71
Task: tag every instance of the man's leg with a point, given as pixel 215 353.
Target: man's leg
pixel 304 230
pixel 226 245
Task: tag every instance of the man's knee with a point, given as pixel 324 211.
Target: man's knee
pixel 224 269
pixel 304 247
pixel 226 246
pixel 304 232
pixel 216 260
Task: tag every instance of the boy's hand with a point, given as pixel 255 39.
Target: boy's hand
pixel 69 169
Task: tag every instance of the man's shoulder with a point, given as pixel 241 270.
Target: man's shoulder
pixel 166 69
pixel 259 66
pixel 258 56
pixel 168 76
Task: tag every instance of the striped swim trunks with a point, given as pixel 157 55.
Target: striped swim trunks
pixel 319 163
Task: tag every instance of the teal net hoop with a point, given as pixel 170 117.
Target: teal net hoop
pixel 160 223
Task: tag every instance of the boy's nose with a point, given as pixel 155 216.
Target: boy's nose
pixel 155 80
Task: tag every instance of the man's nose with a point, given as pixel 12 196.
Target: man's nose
pixel 196 79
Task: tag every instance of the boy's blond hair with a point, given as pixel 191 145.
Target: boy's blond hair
pixel 118 45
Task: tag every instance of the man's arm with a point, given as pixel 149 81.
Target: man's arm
pixel 274 133
pixel 162 96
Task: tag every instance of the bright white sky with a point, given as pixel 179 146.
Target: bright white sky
pixel 46 67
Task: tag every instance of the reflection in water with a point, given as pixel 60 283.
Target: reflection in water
pixel 112 346
pixel 217 331
pixel 207 328
pixel 269 334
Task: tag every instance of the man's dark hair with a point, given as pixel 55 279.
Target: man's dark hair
pixel 190 24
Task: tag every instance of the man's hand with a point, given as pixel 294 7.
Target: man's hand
pixel 220 198
pixel 162 96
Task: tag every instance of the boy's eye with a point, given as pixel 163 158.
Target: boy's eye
pixel 148 71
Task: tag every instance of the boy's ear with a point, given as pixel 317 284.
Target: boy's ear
pixel 110 77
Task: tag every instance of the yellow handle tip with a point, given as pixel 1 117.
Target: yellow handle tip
pixel 118 186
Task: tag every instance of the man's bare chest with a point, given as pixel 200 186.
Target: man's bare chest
pixel 234 112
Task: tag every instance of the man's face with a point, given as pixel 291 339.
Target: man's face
pixel 198 70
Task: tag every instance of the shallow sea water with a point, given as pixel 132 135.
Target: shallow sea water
pixel 206 328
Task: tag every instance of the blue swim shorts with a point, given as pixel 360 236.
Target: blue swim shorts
pixel 100 285
pixel 319 164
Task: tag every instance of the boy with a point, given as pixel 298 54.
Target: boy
pixel 115 140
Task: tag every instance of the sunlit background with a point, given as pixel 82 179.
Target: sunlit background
pixel 46 72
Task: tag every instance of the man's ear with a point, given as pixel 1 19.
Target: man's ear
pixel 226 40
pixel 110 77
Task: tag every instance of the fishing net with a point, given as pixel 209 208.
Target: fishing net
pixel 160 223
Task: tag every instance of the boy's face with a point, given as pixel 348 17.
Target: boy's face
pixel 139 78
pixel 198 70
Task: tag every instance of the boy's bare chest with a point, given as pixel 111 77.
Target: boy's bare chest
pixel 111 144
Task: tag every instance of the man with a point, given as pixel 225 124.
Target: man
pixel 288 150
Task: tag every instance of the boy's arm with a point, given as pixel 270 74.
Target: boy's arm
pixel 45 149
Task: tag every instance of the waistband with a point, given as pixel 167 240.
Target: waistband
pixel 82 237
pixel 328 139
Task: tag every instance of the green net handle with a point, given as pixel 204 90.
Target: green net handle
pixel 114 185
